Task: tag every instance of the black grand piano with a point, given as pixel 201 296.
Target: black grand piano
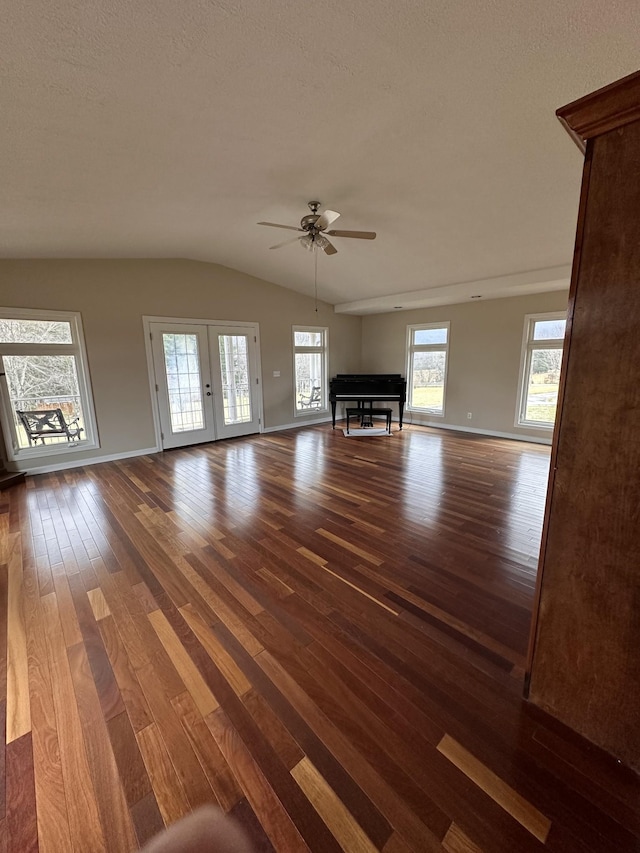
pixel 367 388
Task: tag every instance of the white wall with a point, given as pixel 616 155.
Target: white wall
pixel 484 357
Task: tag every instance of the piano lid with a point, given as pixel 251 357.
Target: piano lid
pixel 361 377
pixel 368 386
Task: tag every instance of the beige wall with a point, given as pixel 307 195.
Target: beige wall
pixel 112 297
pixel 484 356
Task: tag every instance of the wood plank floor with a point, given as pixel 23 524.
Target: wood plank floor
pixel 326 636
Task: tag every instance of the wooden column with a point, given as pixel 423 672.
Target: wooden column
pixel 584 660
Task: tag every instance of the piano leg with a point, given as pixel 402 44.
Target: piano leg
pixel 333 414
pixel 401 409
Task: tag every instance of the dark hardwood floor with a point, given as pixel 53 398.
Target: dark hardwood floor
pixel 324 635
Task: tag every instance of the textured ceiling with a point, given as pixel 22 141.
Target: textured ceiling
pixel 168 129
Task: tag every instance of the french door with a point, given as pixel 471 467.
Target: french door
pixel 206 380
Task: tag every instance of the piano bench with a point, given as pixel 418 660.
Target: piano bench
pixel 367 414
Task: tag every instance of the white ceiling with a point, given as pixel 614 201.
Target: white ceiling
pixel 159 128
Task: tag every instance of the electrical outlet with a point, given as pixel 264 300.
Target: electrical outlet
pixel 469 415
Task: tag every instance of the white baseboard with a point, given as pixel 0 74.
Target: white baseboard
pixel 415 422
pixel 324 420
pixel 147 451
pixel 490 432
pixel 94 460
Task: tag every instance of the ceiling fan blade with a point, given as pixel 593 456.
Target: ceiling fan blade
pixel 330 249
pixel 326 219
pixel 359 235
pixel 286 243
pixel 275 225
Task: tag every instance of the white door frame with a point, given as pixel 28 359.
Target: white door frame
pixel 206 432
pixel 146 325
pixel 233 429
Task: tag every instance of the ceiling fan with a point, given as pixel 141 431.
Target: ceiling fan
pixel 314 227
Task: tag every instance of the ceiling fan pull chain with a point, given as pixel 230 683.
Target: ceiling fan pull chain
pixel 315 255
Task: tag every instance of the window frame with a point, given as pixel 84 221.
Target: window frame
pixel 76 348
pixel 412 349
pixel 526 354
pixel 323 350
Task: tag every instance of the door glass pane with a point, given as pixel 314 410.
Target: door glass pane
pixel 542 385
pixel 308 381
pixel 427 381
pixel 41 383
pixel 234 373
pixel 182 366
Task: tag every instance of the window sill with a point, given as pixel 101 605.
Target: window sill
pixel 44 451
pixel 535 425
pixel 427 412
pixel 307 412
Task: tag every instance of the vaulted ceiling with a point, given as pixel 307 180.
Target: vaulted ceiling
pixel 158 128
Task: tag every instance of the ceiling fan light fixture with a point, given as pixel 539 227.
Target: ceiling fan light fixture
pixel 312 242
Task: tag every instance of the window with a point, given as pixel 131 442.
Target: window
pixel 427 348
pixel 44 366
pixel 540 373
pixel 310 369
